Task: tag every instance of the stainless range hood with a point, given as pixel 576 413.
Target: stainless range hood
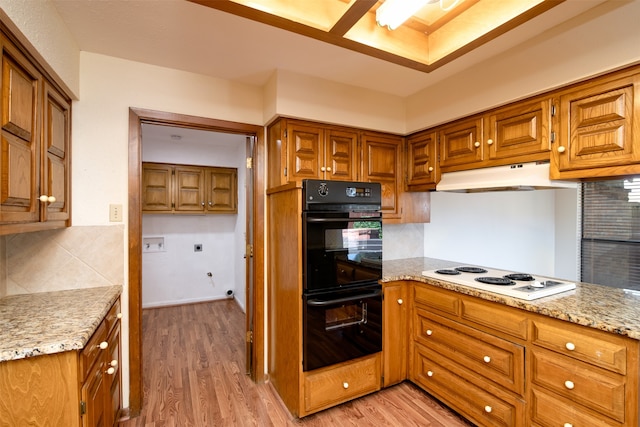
pixel 517 177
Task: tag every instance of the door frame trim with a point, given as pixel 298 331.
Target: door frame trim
pixel 137 116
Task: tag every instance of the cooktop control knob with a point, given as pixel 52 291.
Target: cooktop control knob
pixel 323 190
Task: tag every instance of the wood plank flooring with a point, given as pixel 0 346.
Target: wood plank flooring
pixel 194 376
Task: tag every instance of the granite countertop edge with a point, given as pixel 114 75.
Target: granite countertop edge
pixel 600 307
pixel 52 322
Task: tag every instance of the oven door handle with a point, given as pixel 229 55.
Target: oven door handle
pixel 324 303
pixel 360 218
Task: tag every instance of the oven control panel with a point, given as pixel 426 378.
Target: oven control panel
pixel 322 194
pixel 358 192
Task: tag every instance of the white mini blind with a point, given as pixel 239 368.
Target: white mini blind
pixel 610 249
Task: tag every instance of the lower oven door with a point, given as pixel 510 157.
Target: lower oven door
pixel 341 325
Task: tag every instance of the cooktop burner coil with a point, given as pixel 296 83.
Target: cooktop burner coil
pixel 471 270
pixel 448 272
pixel 520 276
pixel 495 281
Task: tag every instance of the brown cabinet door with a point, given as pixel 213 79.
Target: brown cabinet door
pixel 93 398
pixel 597 126
pixel 340 155
pixel 156 187
pixel 521 132
pixel 222 192
pixel 19 139
pixel 189 189
pixel 381 163
pixel 423 171
pixel 306 152
pixel 461 144
pixel 394 333
pixel 55 155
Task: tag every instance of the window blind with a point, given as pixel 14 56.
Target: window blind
pixel 610 247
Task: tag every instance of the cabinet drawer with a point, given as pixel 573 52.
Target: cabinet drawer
pixel 477 404
pixel 495 359
pixel 114 315
pixel 335 385
pixel 496 317
pixel 549 410
pixel 447 302
pixel 579 382
pixel 92 351
pixel 601 349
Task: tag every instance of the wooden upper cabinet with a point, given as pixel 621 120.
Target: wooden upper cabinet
pixel 20 139
pixel 599 129
pixel 35 147
pixel 521 132
pixel 56 154
pixel 168 188
pixel 461 144
pixel 340 155
pixel 221 190
pixel 381 163
pixel 423 170
pixel 306 151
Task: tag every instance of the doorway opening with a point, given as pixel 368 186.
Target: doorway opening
pixel 255 221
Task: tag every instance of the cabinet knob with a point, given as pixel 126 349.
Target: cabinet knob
pixel 113 363
pixel 429 332
pixel 51 199
pixel 567 425
pixel 103 345
pixel 570 346
pixel 329 169
pixel 323 168
pixel 486 359
pixel 569 384
pixel 429 373
pixel 345 385
pixel 561 149
pixel 400 301
pixel 119 315
pixel 111 371
pixel 476 144
pixel 210 204
pixel 489 141
pixel 430 168
pixel 488 409
pixel 202 203
pixel 45 198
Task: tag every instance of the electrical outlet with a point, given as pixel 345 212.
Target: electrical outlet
pixel 115 213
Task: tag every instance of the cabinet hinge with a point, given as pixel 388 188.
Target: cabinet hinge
pixel 173 205
pixel 285 171
pixel 249 162
pixel 553 111
pixel 249 336
pixel 285 133
pixel 83 407
pixel 173 172
pixel 553 136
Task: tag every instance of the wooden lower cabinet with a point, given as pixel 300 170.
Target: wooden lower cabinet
pixel 395 339
pixel 501 366
pixel 69 389
pixel 333 385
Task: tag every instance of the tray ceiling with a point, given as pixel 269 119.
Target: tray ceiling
pixel 437 34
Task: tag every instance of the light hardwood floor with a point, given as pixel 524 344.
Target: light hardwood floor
pixel 194 375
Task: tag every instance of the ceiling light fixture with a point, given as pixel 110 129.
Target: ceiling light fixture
pixel 393 13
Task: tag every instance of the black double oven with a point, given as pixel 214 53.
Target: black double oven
pixel 342 264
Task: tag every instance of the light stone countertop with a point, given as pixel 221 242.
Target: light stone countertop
pixel 52 322
pixel 600 307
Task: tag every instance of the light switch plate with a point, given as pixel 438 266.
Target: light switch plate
pixel 115 213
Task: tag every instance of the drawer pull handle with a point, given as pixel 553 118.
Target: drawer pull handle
pixel 568 425
pixel 111 371
pixel 400 301
pixel 569 384
pixel 429 332
pixel 488 409
pixel 570 346
pixel 103 345
pixel 345 385
pixel 476 144
pixel 429 373
pixel 114 363
pixel 430 169
pixel 486 359
pixel 119 315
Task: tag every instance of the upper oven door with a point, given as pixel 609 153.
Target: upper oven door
pixel 341 249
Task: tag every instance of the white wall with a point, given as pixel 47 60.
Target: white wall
pixel 510 230
pixel 178 274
